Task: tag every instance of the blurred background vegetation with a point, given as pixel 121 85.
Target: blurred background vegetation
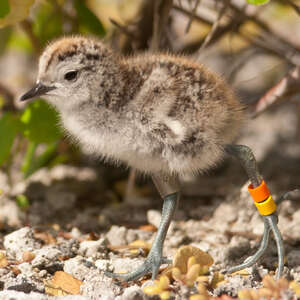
pixel 252 46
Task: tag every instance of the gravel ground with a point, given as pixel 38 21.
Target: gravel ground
pixel 77 224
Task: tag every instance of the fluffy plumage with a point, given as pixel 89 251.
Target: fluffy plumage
pixel 156 113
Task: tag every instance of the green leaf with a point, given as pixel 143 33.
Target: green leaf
pixel 39 122
pixel 18 10
pixel 5 34
pixel 22 202
pixel 28 159
pixel 47 23
pixel 4 8
pixel 9 126
pixel 2 101
pixel 20 41
pixel 88 21
pixel 258 2
pixel 32 162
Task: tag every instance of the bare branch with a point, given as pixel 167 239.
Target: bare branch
pixel 242 59
pixel 269 33
pixel 286 87
pixel 122 28
pixel 215 26
pixel 279 49
pixel 8 96
pixel 26 25
pixel 292 4
pixel 161 13
pixel 275 45
pixel 193 12
pixel 130 185
pixel 236 21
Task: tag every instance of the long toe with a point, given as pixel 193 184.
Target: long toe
pixel 166 261
pixel 237 268
pixel 139 273
pixel 150 266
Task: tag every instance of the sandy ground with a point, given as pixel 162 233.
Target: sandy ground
pixel 76 222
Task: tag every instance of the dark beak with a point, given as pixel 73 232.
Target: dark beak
pixel 37 91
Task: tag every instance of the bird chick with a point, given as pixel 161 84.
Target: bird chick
pixel 161 114
pixel 153 112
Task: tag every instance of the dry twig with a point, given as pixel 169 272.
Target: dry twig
pixel 220 30
pixel 286 87
pixel 122 28
pixel 241 60
pixel 8 95
pixel 187 29
pixel 292 4
pixel 269 40
pixel 215 25
pixel 161 13
pixel 26 25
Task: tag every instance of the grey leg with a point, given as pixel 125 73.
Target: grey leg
pixel 168 187
pixel 250 261
pixel 247 159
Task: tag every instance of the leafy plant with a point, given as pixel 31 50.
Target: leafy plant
pixel 295 286
pixel 202 293
pixel 187 256
pixel 38 125
pixel 35 129
pixel 189 264
pixel 193 271
pixel 88 21
pixel 271 289
pixel 48 22
pixel 22 202
pixel 4 8
pixel 9 127
pixel 258 2
pixel 161 287
pixel 14 11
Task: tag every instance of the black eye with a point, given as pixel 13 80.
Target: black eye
pixel 71 75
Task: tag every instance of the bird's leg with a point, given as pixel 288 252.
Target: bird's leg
pixel 169 190
pixel 264 204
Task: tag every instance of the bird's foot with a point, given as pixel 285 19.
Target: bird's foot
pixel 150 265
pixel 270 223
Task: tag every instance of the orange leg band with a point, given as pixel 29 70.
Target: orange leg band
pixel 262 199
pixel 260 193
